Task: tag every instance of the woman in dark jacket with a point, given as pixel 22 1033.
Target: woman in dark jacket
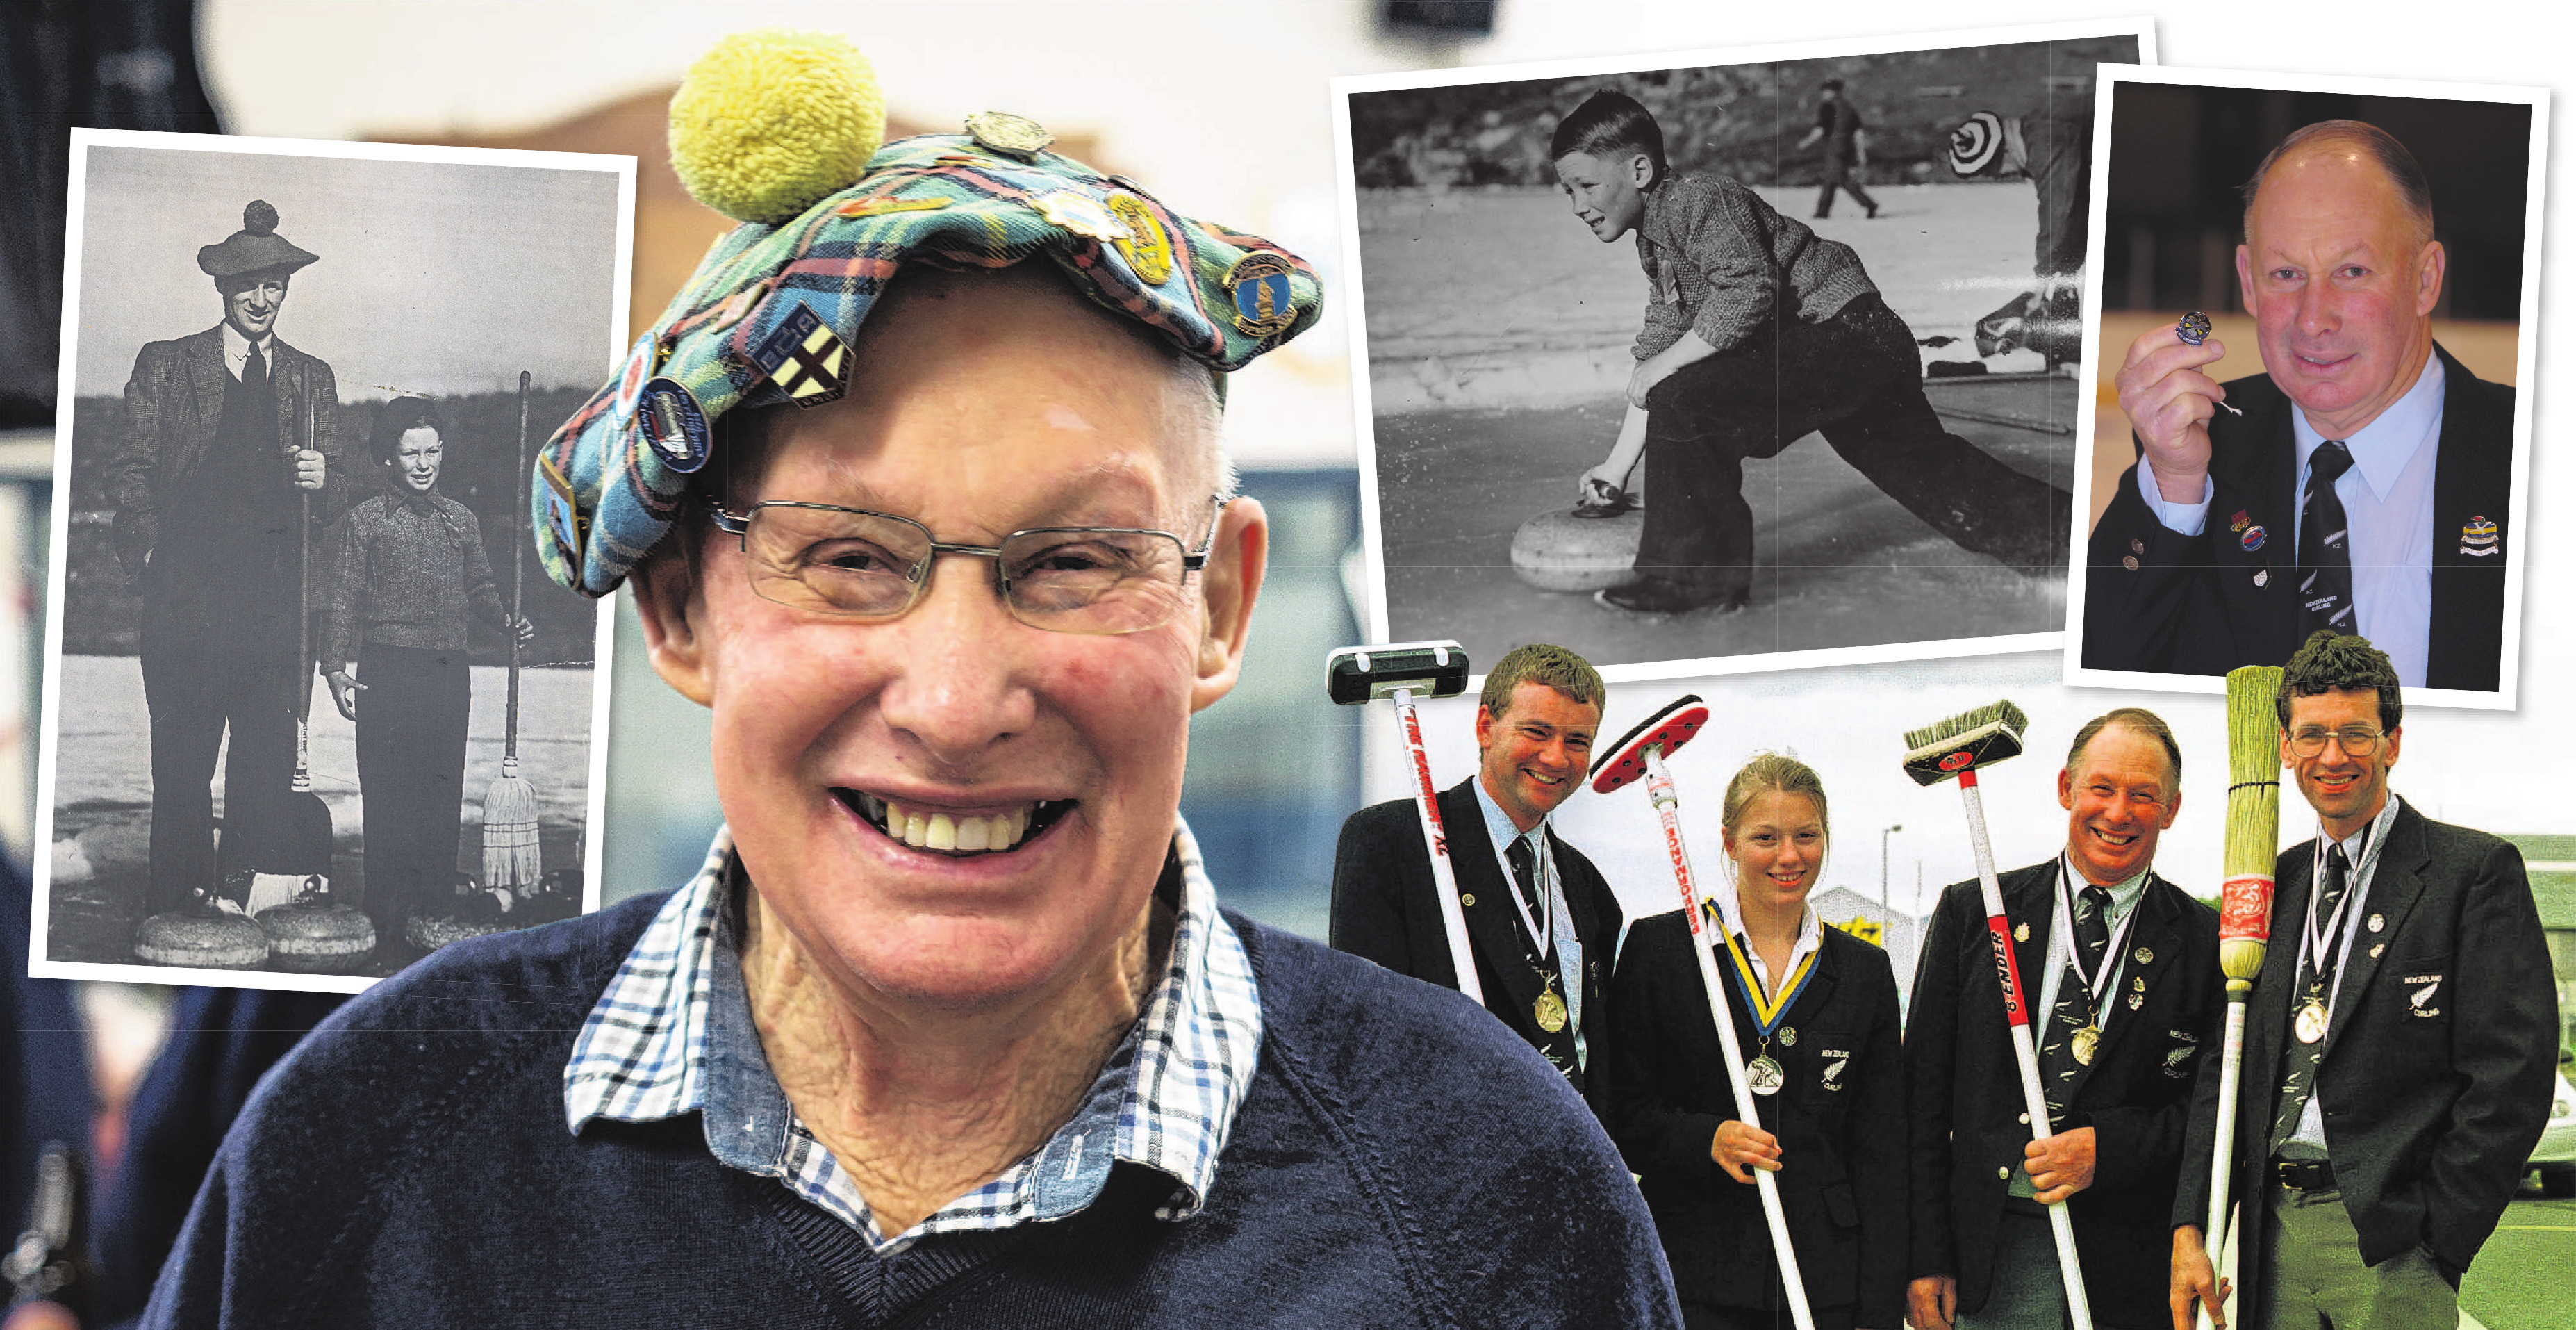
pixel 1820 1043
pixel 410 571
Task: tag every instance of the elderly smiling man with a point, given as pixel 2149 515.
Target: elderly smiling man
pixel 950 1031
pixel 2360 484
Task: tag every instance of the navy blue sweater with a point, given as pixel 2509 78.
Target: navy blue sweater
pixel 1400 1160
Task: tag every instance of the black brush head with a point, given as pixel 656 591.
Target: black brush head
pixel 1354 675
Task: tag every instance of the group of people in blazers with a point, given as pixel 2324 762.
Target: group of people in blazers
pixel 2379 1137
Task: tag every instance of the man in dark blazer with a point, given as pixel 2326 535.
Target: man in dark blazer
pixel 223 454
pixel 2398 1043
pixel 2204 559
pixel 1542 931
pixel 2149 989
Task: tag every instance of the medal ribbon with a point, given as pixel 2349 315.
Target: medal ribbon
pixel 2313 941
pixel 1766 1013
pixel 2075 953
pixel 1542 930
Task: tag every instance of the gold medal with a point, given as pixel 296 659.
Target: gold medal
pixel 1764 1075
pixel 1550 1010
pixel 2083 1042
pixel 2311 1024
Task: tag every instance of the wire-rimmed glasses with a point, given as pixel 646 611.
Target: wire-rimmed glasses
pixel 2356 740
pixel 858 564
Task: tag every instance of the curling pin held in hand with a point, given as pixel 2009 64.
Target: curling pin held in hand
pixel 2194 330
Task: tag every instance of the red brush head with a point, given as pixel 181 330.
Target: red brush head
pixel 1667 729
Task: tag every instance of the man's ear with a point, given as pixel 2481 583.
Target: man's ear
pixel 1641 170
pixel 2245 281
pixel 665 587
pixel 1228 586
pixel 2430 264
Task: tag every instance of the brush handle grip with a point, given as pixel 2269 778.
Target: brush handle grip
pixel 2231 1068
pixel 1990 890
pixel 1435 838
pixel 1659 788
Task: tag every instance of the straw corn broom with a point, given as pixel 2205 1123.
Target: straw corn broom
pixel 510 856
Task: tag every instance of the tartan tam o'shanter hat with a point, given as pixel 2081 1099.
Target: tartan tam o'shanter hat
pixel 780 131
pixel 254 247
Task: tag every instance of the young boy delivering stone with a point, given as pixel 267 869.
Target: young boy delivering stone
pixel 1757 332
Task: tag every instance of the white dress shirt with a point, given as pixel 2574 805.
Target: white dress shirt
pixel 1554 925
pixel 237 349
pixel 2387 501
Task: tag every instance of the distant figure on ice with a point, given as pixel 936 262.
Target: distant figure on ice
pixel 1756 332
pixel 410 568
pixel 1846 148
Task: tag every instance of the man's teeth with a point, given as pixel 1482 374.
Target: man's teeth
pixel 929 830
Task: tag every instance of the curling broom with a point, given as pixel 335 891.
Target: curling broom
pixel 1957 747
pixel 1640 752
pixel 510 858
pixel 1355 676
pixel 2245 906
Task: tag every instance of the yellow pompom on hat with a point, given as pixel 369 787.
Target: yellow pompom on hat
pixel 768 122
pixel 781 130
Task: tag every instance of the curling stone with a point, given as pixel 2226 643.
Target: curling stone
pixel 429 932
pixel 201 941
pixel 313 934
pixel 477 911
pixel 1558 551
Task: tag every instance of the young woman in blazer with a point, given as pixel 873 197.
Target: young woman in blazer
pixel 1820 1040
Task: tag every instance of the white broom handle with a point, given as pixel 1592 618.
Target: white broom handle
pixel 2230 1072
pixel 1444 883
pixel 2079 1309
pixel 1659 788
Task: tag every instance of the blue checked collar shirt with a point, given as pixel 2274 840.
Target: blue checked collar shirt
pixel 673 1034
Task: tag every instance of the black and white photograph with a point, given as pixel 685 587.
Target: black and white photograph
pixel 310 712
pixel 2269 453
pixel 1603 304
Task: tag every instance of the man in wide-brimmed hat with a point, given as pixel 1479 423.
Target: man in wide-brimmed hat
pixel 223 431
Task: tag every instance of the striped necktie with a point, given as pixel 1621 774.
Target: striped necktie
pixel 2325 547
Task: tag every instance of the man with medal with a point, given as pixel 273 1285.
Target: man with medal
pixel 2398 1042
pixel 2124 966
pixel 1543 935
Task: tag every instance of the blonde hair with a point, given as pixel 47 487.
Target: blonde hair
pixel 1775 773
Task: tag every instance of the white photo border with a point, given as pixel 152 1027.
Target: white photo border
pixel 2526 350
pixel 612 350
pixel 1373 602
